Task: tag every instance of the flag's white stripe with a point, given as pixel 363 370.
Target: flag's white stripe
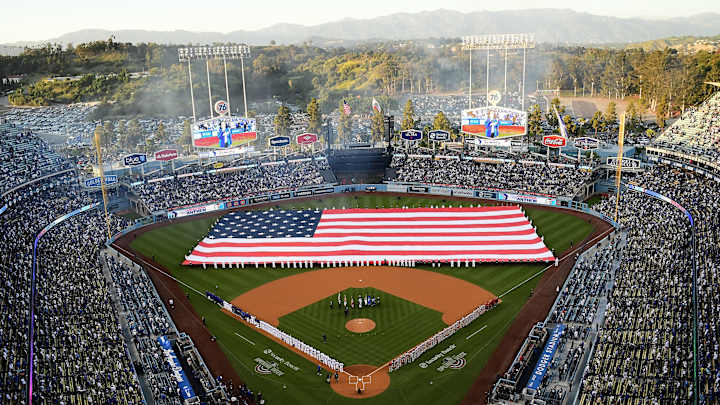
pixel 432 222
pixel 379 238
pixel 411 230
pixel 368 248
pixel 370 258
pixel 410 214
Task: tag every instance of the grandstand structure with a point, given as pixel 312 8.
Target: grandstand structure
pixel 635 321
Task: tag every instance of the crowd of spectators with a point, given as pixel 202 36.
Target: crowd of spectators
pixel 25 156
pixel 536 178
pixel 697 132
pixel 645 347
pixel 239 183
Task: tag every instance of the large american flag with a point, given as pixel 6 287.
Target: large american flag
pixel 372 236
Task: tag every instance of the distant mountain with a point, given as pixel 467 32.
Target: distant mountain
pixel 557 26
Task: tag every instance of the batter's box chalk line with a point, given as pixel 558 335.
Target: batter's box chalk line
pixel 360 382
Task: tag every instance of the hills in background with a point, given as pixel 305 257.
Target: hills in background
pixel 556 26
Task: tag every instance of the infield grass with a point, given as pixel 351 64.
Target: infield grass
pixel 409 385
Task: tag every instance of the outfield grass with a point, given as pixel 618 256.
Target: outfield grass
pixel 400 325
pixel 411 384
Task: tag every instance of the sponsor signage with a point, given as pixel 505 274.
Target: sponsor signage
pixel 96 182
pixel 135 159
pixel 325 190
pixel 627 163
pixel 503 143
pixel 397 188
pixel 586 143
pixel 526 199
pixel 306 139
pixel 411 135
pixel 417 189
pixel 222 107
pixel 546 357
pixel 440 190
pixel 176 370
pixel 218 165
pixel 370 188
pixel 279 141
pixel 259 199
pixel 463 192
pixel 494 97
pixel 166 154
pixel 237 203
pixel 282 196
pixel 302 193
pixel 554 141
pixel 493 122
pixel 200 209
pixel 439 136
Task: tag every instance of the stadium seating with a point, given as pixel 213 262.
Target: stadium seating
pixel 697 132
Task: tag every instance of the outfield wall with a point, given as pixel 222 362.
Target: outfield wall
pixel 502 196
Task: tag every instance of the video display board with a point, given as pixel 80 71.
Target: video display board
pixel 494 122
pixel 224 132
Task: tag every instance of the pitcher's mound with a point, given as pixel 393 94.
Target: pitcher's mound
pixel 360 325
pixel 369 379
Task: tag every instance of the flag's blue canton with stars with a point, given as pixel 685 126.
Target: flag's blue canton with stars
pixel 267 224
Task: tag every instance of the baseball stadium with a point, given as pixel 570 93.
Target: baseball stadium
pixel 359 225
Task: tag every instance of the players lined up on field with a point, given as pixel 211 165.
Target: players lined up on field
pixel 365 300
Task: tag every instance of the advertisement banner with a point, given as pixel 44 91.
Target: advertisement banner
pixel 417 189
pixel 95 181
pixel 490 142
pixel 554 141
pixel 282 196
pixel 325 190
pixel 440 190
pixel 224 132
pixel 526 199
pixel 176 370
pixel 439 136
pixel 279 141
pixel 166 155
pixel 302 193
pixel 411 135
pixel 222 107
pixel 627 163
pixel 494 122
pixel 237 203
pixel 259 199
pixel 135 159
pixel 546 357
pixel 306 139
pixel 463 192
pixel 586 143
pixel 200 209
pixel 396 188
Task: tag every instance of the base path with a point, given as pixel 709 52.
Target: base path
pixel 371 380
pixel 451 296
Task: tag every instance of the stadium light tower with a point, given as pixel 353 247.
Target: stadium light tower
pixel 498 42
pixel 206 53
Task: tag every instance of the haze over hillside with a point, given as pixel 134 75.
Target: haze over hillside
pixel 550 25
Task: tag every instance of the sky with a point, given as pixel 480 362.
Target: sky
pixel 46 19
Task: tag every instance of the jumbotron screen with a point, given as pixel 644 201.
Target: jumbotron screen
pixel 224 132
pixel 494 122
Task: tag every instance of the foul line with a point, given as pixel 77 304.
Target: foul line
pixel 476 332
pixel 246 339
pixel 602 235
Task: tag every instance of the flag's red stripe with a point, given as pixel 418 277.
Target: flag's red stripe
pixel 373 253
pixel 406 226
pixel 421 234
pixel 406 210
pixel 269 242
pixel 411 219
